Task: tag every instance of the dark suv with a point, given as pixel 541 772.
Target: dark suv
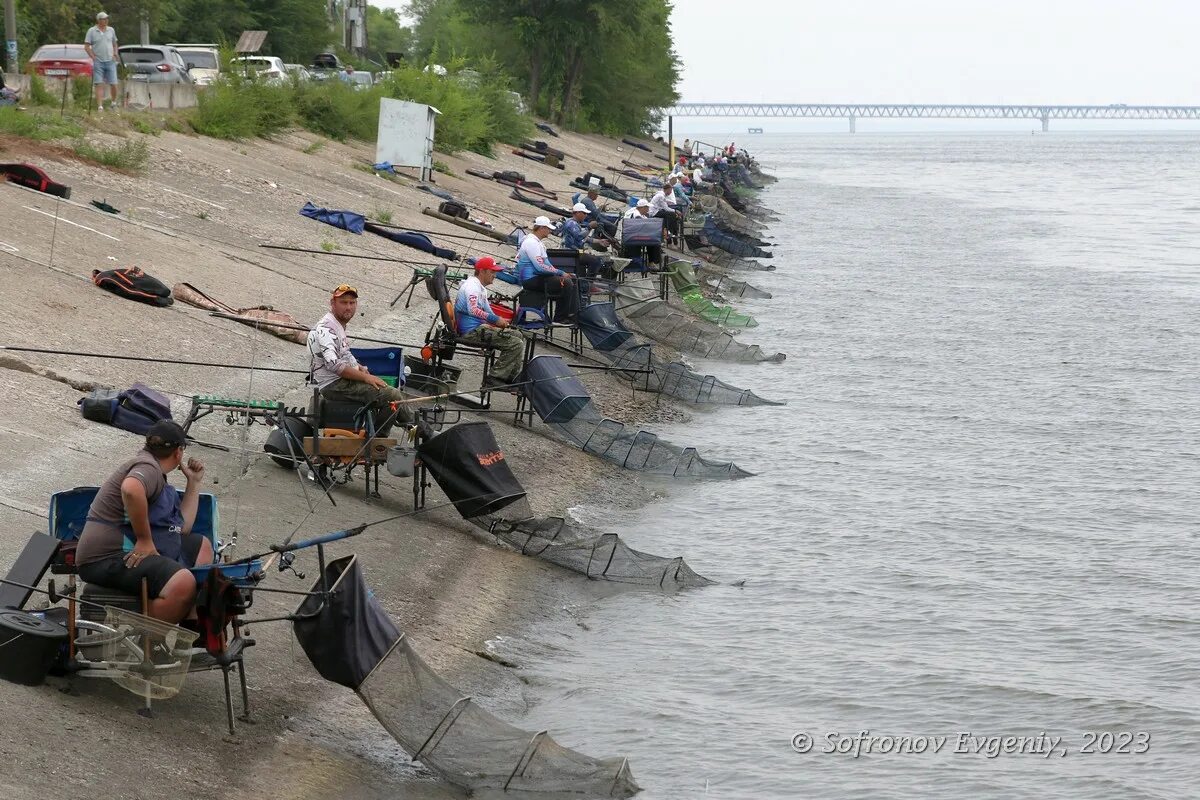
pixel 154 63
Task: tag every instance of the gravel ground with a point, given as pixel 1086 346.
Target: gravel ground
pixel 199 214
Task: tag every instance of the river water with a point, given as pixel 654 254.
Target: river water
pixel 976 515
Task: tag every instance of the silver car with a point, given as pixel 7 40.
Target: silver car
pixel 154 63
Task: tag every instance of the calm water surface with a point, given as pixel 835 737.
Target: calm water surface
pixel 977 514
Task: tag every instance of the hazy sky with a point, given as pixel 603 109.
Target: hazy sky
pixel 935 51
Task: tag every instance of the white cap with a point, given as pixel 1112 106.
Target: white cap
pixel 102 15
pixel 580 207
pixel 542 222
pixel 643 203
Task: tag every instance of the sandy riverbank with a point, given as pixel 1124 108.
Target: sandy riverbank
pixel 198 215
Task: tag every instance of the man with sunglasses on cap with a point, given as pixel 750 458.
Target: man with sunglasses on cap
pixel 537 274
pixel 338 374
pixel 140 528
pixel 477 324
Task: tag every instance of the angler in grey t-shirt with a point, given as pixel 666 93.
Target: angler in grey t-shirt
pixel 101 44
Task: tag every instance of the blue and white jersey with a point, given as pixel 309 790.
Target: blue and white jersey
pixel 573 235
pixel 533 260
pixel 471 307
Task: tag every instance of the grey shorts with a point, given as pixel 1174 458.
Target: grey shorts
pixel 112 573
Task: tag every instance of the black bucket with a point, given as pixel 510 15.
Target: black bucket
pixel 30 644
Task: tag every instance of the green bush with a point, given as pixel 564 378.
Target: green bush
pixel 239 109
pixel 465 123
pixel 337 110
pixel 39 95
pixel 34 125
pixel 131 155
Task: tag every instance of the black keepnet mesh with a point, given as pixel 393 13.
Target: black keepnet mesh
pixel 563 403
pixel 640 307
pixel 599 556
pixel 609 337
pixel 436 724
pixel 575 548
pixel 720 281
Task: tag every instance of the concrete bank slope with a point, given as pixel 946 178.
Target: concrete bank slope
pixel 198 214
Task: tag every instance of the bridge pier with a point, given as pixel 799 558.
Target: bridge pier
pixel 1045 122
pixel 852 121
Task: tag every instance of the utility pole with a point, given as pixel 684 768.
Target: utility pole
pixel 10 35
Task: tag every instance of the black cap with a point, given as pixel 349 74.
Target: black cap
pixel 166 433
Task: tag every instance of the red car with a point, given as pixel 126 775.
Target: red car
pixel 61 61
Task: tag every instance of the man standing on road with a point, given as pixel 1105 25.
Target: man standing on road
pixel 101 45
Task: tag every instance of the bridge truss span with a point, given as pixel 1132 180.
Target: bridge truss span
pixel 855 111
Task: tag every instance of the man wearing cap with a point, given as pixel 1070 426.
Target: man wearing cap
pixel 140 528
pixel 537 274
pixel 337 372
pixel 574 237
pixel 100 42
pixel 478 325
pixel 641 209
pixel 594 218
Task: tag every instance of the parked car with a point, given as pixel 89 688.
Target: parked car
pixel 297 72
pixel 359 79
pixel 203 61
pixel 154 63
pixel 326 61
pixel 60 61
pixel 265 68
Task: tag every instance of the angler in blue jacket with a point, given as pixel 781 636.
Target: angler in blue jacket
pixel 538 275
pixel 477 324
pixel 575 237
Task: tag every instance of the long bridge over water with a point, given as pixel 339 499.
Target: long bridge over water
pixel 856 111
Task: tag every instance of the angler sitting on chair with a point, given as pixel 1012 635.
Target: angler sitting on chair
pixel 538 275
pixel 479 326
pixel 137 508
pixel 337 372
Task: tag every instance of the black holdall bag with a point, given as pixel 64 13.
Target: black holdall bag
pixel 453 208
pixel 133 284
pixel 139 408
pixel 100 404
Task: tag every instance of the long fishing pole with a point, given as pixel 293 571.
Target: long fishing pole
pixel 347 255
pixel 147 359
pixel 267 324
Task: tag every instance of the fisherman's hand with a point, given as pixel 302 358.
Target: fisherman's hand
pixel 139 553
pixel 374 382
pixel 500 323
pixel 193 470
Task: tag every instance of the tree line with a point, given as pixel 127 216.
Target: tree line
pixel 591 65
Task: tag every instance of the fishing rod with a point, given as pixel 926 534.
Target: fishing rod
pixel 347 255
pixel 147 359
pixel 259 323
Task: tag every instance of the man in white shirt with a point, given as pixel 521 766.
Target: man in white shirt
pixel 662 205
pixel 100 43
pixel 539 275
pixel 337 372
